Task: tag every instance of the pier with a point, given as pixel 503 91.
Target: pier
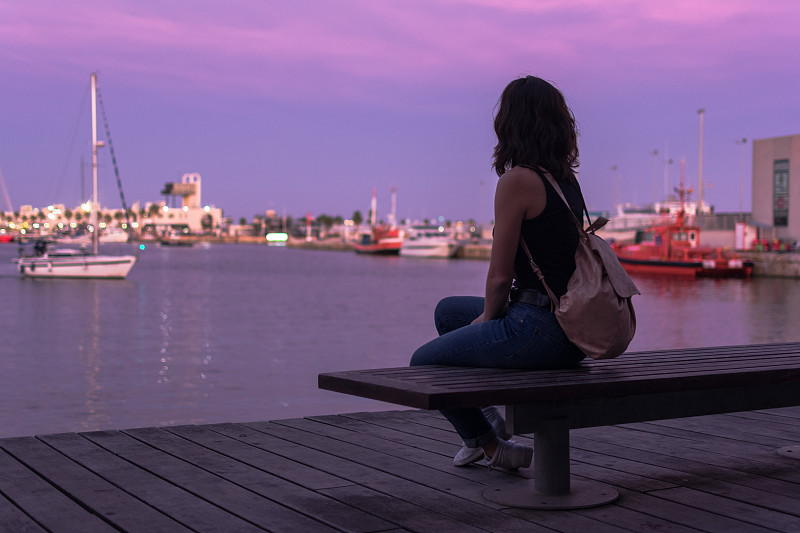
pixel 392 471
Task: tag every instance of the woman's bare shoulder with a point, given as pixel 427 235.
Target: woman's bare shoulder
pixel 523 178
pixel 524 187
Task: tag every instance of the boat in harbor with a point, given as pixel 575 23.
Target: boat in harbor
pixel 429 241
pixel 673 248
pixel 379 241
pixel 49 261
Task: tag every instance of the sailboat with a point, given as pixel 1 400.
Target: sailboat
pixel 74 263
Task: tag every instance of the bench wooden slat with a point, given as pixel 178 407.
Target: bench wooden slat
pixel 438 387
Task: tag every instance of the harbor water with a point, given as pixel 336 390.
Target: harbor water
pixel 235 333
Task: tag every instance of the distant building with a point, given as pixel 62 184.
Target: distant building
pixel 186 216
pixel 776 187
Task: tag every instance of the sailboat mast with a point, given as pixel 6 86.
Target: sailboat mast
pixel 93 219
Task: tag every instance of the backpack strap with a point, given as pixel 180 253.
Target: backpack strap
pixel 538 272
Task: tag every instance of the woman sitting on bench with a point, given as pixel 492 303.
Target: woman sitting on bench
pixel 513 326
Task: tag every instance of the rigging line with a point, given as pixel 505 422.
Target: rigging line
pixel 113 158
pixel 4 194
pixel 66 159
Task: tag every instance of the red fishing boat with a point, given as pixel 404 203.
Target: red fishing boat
pixel 673 248
pixel 380 239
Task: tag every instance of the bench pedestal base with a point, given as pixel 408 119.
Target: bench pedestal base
pixel 790 451
pixel 552 486
pixel 523 494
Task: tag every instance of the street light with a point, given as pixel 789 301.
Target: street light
pixel 654 153
pixel 700 112
pixel 741 142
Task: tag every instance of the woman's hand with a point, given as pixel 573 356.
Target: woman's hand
pixel 479 319
pixel 483 317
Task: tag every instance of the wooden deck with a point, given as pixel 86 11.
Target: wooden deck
pixel 392 471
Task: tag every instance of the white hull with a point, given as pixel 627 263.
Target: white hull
pixel 114 235
pixel 76 266
pixel 433 247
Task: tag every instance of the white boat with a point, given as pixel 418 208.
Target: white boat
pixel 629 221
pixel 72 263
pixel 429 241
pixel 113 234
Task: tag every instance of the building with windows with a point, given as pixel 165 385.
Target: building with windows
pixel 182 210
pixel 776 187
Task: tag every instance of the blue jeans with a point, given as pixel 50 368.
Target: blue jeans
pixel 527 337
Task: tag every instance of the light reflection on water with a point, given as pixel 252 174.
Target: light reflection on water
pixel 239 333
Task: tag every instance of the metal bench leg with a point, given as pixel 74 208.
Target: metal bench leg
pixel 551 487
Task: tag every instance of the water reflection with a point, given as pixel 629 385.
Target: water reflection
pixel 239 333
pixel 677 313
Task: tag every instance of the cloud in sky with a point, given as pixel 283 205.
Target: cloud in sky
pixel 422 75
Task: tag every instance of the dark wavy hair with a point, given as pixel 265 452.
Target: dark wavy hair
pixel 535 128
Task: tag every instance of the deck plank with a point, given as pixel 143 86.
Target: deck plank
pixel 392 471
pixel 87 491
pixel 172 500
pixel 434 490
pixel 12 519
pixel 216 454
pixel 205 485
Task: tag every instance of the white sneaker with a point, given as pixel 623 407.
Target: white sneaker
pixel 511 455
pixel 467 455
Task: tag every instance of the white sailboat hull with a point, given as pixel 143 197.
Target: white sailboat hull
pixel 76 266
pixel 430 247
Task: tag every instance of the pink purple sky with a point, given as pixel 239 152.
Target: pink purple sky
pixel 307 105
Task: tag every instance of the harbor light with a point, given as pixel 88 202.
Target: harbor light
pixel 277 239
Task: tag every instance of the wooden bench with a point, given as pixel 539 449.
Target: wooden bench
pixel 636 387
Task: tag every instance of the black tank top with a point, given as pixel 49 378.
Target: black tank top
pixel 552 239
